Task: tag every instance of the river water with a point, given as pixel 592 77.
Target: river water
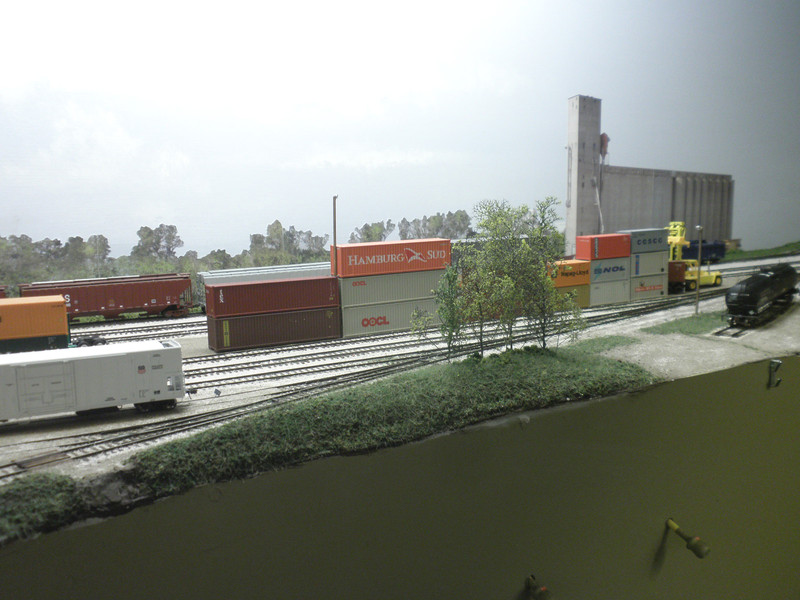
pixel 577 495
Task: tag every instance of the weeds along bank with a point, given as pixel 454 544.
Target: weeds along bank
pixel 391 412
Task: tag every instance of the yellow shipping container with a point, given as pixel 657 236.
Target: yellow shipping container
pixel 581 294
pixel 37 316
pixel 570 273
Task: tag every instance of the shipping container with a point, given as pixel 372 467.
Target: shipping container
pixel 29 324
pixel 648 240
pixel 272 272
pixel 598 247
pixel 384 318
pixel 167 294
pixel 614 292
pixel 78 379
pixel 569 273
pixel 259 331
pixel 381 258
pixel 396 287
pixel 676 276
pixel 650 286
pixel 649 263
pixel 280 295
pixel 582 294
pixel 610 269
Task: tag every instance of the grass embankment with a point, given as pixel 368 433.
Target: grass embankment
pixel 390 412
pixel 785 250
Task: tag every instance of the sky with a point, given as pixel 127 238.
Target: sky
pixel 220 118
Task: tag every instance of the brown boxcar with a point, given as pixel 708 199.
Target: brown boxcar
pixel 257 331
pixel 169 294
pixel 381 258
pixel 28 324
pixel 280 295
pixel 608 245
pixel 2 291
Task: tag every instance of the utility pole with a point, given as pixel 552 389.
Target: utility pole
pixel 335 264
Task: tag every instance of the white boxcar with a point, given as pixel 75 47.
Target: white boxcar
pixel 146 374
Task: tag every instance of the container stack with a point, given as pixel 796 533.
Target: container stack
pixel 382 283
pixel 573 276
pixel 649 263
pixel 268 313
pixel 610 258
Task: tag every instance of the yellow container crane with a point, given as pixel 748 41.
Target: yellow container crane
pixel 677 242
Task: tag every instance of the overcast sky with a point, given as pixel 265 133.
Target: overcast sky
pixel 221 117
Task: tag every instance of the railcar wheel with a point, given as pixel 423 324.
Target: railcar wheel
pixel 691 285
pixel 718 280
pixel 143 407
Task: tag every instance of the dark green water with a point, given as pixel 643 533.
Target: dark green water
pixel 577 495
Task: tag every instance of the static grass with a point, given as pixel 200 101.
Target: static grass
pixel 694 325
pixel 395 411
pixel 37 503
pixel 786 249
pixel 602 344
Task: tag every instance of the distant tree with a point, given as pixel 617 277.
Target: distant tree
pixel 168 241
pixel 453 225
pixel 374 232
pixel 159 243
pixel 98 250
pixel 218 259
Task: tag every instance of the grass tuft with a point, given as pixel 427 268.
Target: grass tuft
pixel 694 325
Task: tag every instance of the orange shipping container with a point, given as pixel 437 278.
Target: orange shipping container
pixel 380 258
pixel 38 316
pixel 569 273
pixel 608 245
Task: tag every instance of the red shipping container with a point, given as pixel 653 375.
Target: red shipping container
pixel 608 245
pixel 277 295
pixel 168 293
pixel 258 331
pixel 380 258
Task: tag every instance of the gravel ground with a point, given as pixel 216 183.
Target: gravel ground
pixel 675 356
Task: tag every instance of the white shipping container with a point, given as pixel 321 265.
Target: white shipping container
pixel 613 292
pixel 650 286
pixel 253 274
pixel 76 379
pixel 649 263
pixel 610 269
pixel 394 287
pixel 383 318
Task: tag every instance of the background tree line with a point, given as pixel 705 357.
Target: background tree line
pixel 23 260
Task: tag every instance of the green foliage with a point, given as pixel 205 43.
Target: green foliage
pixel 37 503
pixel 374 232
pixel 505 275
pixel 602 344
pixel 785 250
pixel 453 225
pixel 394 411
pixel 694 325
